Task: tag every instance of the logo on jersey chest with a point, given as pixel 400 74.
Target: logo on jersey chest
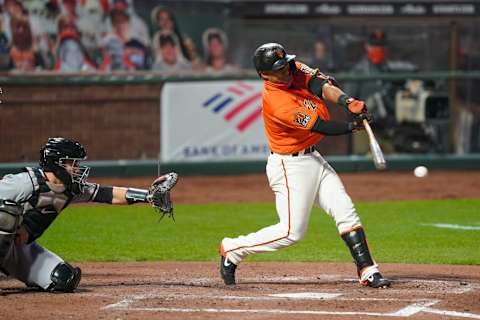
pixel 309 104
pixel 301 119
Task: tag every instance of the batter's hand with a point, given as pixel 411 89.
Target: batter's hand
pixel 356 106
pixel 363 116
pixel 358 121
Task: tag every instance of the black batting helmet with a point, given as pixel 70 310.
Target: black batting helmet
pixel 53 158
pixel 271 57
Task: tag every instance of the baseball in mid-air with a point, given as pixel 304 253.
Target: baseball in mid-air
pixel 420 171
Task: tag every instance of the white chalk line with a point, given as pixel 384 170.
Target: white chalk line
pixel 419 305
pixel 450 226
pixel 413 309
pixel 126 302
pixel 408 311
pixel 422 305
pixel 130 299
pixel 452 313
pixel 244 311
pixel 268 311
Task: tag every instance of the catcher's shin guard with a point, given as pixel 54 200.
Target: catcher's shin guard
pixel 357 243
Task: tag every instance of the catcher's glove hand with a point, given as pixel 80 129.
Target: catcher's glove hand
pixel 159 194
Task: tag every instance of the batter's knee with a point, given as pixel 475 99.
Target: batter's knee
pixel 296 236
pixel 346 218
pixel 65 278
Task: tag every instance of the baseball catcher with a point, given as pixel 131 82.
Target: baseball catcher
pixel 31 200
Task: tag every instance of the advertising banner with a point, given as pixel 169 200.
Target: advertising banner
pixel 337 8
pixel 212 121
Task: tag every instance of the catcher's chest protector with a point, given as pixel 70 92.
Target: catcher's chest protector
pixel 43 206
pixel 44 199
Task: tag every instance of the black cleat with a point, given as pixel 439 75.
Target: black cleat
pixel 376 280
pixel 227 270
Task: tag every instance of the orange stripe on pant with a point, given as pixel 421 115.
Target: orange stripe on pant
pixel 289 221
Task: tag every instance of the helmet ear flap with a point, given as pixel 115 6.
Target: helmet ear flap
pixel 62 174
pixel 47 161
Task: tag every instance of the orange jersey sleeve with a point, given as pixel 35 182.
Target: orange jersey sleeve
pixel 289 113
pixel 306 73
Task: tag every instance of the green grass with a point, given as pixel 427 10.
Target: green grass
pixel 395 233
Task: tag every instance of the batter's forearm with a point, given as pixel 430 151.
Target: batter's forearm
pixel 327 88
pixel 332 128
pixel 332 93
pixel 336 95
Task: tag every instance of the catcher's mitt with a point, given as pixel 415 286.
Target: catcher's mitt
pixel 159 194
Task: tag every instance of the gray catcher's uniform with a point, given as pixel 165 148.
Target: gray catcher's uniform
pixel 41 204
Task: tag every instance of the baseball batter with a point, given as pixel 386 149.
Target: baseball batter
pixel 30 201
pixel 296 119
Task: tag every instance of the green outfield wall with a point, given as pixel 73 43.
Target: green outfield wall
pixel 137 168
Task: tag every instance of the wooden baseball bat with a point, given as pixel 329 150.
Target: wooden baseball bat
pixel 378 158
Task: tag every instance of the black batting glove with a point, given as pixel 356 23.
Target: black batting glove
pixel 363 116
pixel 357 123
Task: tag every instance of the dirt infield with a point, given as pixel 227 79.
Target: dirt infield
pixel 173 290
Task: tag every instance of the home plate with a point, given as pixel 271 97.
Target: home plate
pixel 307 295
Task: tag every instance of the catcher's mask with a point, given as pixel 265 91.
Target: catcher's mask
pixel 62 157
pixel 271 57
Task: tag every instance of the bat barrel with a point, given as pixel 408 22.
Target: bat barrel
pixel 378 158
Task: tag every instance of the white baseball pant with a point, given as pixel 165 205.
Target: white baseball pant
pixel 298 182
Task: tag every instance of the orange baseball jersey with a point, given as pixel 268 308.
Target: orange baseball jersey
pixel 289 112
